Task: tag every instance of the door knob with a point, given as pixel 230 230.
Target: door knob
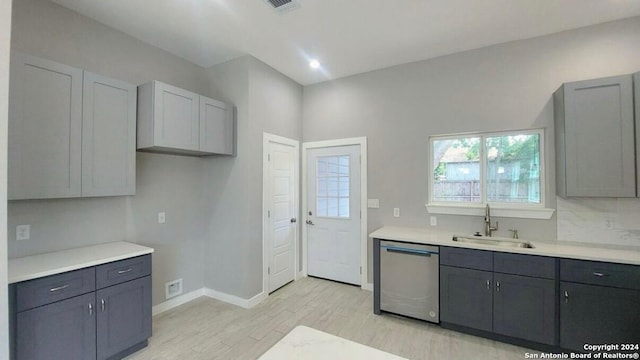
pixel 293 220
pixel 309 222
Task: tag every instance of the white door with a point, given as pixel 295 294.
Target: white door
pixel 333 213
pixel 282 224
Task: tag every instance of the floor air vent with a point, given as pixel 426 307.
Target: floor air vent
pixel 283 5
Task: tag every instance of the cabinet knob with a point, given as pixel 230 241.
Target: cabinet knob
pixel 102 303
pixel 488 284
pixel 90 309
pixel 566 297
pixel 498 286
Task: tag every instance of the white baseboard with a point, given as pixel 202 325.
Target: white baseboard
pixel 235 300
pixel 367 286
pixel 177 301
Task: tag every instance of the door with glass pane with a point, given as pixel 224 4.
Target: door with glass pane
pixel 333 213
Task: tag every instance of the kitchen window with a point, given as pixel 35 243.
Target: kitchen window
pixel 504 169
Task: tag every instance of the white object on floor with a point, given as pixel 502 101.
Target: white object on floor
pixel 305 343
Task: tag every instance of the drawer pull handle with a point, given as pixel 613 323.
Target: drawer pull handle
pixel 59 288
pixel 120 272
pixel 599 274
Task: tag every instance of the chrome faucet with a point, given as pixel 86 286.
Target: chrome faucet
pixel 487 222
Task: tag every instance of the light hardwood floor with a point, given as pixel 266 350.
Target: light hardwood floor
pixel 209 329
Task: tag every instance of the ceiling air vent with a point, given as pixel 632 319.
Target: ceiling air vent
pixel 283 5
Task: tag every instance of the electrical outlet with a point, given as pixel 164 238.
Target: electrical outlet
pixel 609 224
pixel 433 220
pixel 396 212
pixel 23 232
pixel 172 288
pixel 161 217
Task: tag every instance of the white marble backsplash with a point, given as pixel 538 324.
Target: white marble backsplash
pixel 606 221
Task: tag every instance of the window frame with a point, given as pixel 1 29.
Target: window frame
pixel 433 206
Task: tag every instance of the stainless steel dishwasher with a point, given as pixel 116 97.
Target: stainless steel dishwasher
pixel 409 278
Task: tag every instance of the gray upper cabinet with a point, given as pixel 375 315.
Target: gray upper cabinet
pixel 71 132
pixel 177 121
pixel 595 140
pixel 216 127
pixel 168 118
pixel 108 137
pixel 45 126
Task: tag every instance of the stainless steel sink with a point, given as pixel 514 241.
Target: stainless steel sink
pixel 493 241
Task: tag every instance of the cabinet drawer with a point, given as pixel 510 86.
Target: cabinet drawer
pixel 600 273
pixel 525 265
pixel 123 270
pixel 466 258
pixel 38 292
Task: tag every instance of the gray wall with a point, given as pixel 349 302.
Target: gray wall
pixel 506 86
pixel 267 102
pixel 164 182
pixel 5 32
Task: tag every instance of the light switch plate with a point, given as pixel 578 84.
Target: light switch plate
pixel 396 212
pixel 161 217
pixel 433 220
pixel 23 232
pixel 373 203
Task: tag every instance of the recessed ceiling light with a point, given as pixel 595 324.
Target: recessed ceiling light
pixel 314 64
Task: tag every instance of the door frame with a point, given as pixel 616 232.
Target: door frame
pixel 266 139
pixel 362 141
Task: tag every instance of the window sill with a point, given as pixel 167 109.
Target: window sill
pixel 478 210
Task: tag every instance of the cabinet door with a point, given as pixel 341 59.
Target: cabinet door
pixel 45 111
pixel 591 314
pixel 108 137
pixel 466 297
pixel 124 316
pixel 525 307
pixel 599 138
pixel 216 127
pixel 65 330
pixel 176 117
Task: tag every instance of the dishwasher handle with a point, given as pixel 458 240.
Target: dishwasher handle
pixel 408 251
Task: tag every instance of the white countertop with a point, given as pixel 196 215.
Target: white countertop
pixel 36 266
pixel 561 250
pixel 304 343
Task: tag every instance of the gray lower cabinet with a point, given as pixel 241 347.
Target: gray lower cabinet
pixel 466 297
pixel 101 312
pixel 599 303
pixel 513 300
pixel 65 330
pixel 591 314
pixel 525 308
pixel 124 316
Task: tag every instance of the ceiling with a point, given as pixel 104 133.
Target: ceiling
pixel 346 36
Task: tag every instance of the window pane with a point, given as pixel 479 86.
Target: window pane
pixel 322 206
pixel 332 191
pixel 343 209
pixel 513 168
pixel 456 171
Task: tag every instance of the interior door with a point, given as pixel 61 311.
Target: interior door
pixel 333 213
pixel 282 224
